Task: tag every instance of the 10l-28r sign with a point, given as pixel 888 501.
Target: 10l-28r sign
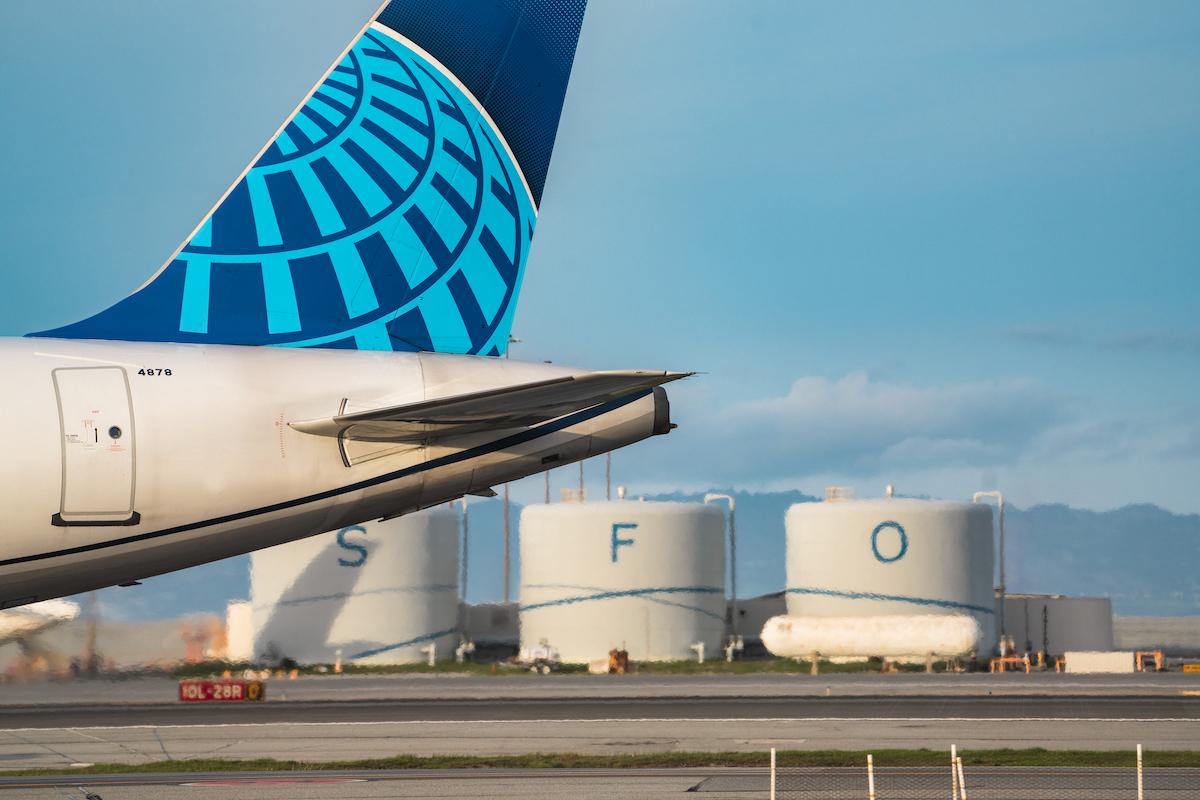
pixel 220 691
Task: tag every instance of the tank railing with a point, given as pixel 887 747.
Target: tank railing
pixel 734 622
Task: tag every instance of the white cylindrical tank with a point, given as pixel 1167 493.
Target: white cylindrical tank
pixel 1056 624
pixel 378 593
pixel 649 577
pixel 891 557
pixel 891 636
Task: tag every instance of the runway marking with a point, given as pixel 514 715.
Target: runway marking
pixel 599 720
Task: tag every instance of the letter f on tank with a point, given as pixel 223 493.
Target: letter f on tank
pixel 617 541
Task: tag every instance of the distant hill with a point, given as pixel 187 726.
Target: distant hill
pixel 1142 556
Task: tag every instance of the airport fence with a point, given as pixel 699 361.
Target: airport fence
pixel 876 780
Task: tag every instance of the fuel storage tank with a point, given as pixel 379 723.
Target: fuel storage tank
pixel 378 592
pixel 892 558
pixel 649 577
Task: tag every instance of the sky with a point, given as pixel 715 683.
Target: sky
pixel 943 245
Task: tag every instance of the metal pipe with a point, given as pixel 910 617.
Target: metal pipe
pixel 547 474
pixel 466 549
pixel 735 623
pixel 507 547
pixel 1001 590
pixel 608 475
pixel 507 538
pixel 581 497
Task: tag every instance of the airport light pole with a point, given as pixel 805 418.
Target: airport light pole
pixel 1001 590
pixel 735 625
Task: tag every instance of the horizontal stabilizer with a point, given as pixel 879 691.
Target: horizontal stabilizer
pixel 494 409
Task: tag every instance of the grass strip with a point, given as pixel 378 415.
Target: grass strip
pixel 1030 757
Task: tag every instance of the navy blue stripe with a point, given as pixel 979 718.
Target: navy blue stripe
pixel 296 222
pixel 584 598
pixel 456 152
pixel 402 116
pixel 298 137
pixel 385 50
pixel 323 123
pixel 403 150
pixel 237 305
pixel 387 278
pixel 333 102
pixel 317 598
pixel 505 197
pixel 348 206
pixel 453 111
pixel 397 85
pixel 346 70
pixel 348 89
pixel 895 598
pixel 429 637
pixel 453 458
pixel 469 310
pixel 430 238
pixel 455 200
pixel 318 294
pixel 370 51
pixel 500 259
pixel 378 174
pixel 233 228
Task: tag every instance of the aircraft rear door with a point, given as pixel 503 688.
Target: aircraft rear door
pixel 95 413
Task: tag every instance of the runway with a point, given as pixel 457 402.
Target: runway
pixel 334 719
pixel 680 708
pixel 986 783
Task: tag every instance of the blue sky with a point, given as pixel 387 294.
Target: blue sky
pixel 945 246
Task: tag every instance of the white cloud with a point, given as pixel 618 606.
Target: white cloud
pixel 857 424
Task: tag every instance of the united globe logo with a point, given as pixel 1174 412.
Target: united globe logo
pixel 387 214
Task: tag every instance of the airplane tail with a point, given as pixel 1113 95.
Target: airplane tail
pixel 394 208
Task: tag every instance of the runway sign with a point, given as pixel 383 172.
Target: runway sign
pixel 1191 667
pixel 221 691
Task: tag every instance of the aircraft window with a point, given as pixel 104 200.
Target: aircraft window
pixel 114 432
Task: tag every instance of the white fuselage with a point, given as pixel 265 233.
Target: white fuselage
pixel 127 460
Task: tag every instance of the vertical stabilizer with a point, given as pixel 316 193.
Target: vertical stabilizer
pixel 394 208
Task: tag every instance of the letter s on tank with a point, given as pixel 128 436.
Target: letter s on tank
pixel 361 550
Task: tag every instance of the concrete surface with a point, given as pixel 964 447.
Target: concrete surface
pixel 457 686
pixel 137 721
pixel 712 784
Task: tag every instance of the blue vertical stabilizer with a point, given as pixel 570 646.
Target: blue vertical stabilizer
pixel 394 209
